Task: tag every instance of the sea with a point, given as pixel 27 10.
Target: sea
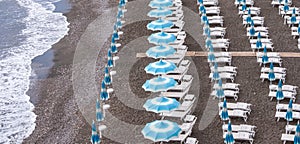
pixel 28 28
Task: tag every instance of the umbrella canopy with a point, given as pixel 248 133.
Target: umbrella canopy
pixel 160 3
pixel 110 61
pixel 95 139
pixel 265 58
pixel 159 12
pixel 297 134
pixel 220 92
pixel 224 113
pixel 289 112
pixel 206 30
pixel 99 114
pixel 204 17
pixel 122 3
pixel 279 93
pixel 216 75
pixel 160 67
pixel 161 104
pixel 161 130
pixel 113 48
pixel 258 42
pixel 103 94
pixel 201 8
pixel 119 23
pixel 249 19
pixel 244 7
pixel 271 72
pixel 211 56
pixel 200 1
pixel 160 51
pixel 208 41
pixel 298 28
pixel 293 17
pixel 286 6
pixel 229 137
pixel 161 38
pixel 159 24
pixel 107 78
pixel 159 84
pixel 120 13
pixel 252 29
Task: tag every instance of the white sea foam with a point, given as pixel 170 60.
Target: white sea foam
pixel 43 29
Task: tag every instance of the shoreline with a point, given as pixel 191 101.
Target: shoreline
pixel 58 117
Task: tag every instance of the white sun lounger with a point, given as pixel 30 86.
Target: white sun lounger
pixel 217 33
pixel 276 70
pixel 215 18
pixel 176 114
pixel 220 40
pixel 212 11
pixel 183 86
pixel 279 115
pixel 262 34
pixel 265 40
pixel 220 46
pixel 222 60
pixel 237 106
pixel 242 136
pixel 240 128
pixel 237 113
pixel 256 23
pixel 294 32
pixel 230 86
pixel 224 75
pixel 251 8
pixel 289 23
pixel 185 105
pixel 248 3
pixel 177 95
pixel 268 46
pixel 191 140
pixel 252 13
pixel 278 76
pixel 286 94
pixel 181 138
pixel 287 137
pixel 276 2
pixel 216 22
pixel 280 107
pixel 273 60
pixel 227 93
pixel 254 18
pixel 269 54
pixel 259 29
pixel 230 69
pixel 288 18
pixel 210 3
pixel 284 88
pixel 290 128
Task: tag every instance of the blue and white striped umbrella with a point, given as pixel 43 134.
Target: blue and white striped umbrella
pixel 160 51
pixel 110 61
pixel 224 113
pixel 201 8
pixel 252 29
pixel 298 30
pixel 289 112
pixel 159 84
pixel 160 24
pixel 113 48
pixel 293 17
pixel 160 67
pixel 211 56
pixel 120 13
pixel 107 79
pixel 229 137
pixel 161 38
pixel 297 134
pixel 113 40
pixel 265 58
pixel 161 104
pixel 160 3
pixel 244 7
pixel 258 42
pixel 99 114
pixel 122 3
pixel 119 23
pixel 271 75
pixel 161 130
pixel 95 139
pixel 160 12
pixel 220 92
pixel 286 6
pixel 208 41
pixel 279 93
pixel 206 30
pixel 216 75
pixel 103 94
pixel 115 35
pixel 204 17
pixel 200 1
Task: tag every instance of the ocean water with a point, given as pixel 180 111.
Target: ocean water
pixel 28 28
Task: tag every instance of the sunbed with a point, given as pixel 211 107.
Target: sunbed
pixel 237 106
pixel 286 94
pixel 224 75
